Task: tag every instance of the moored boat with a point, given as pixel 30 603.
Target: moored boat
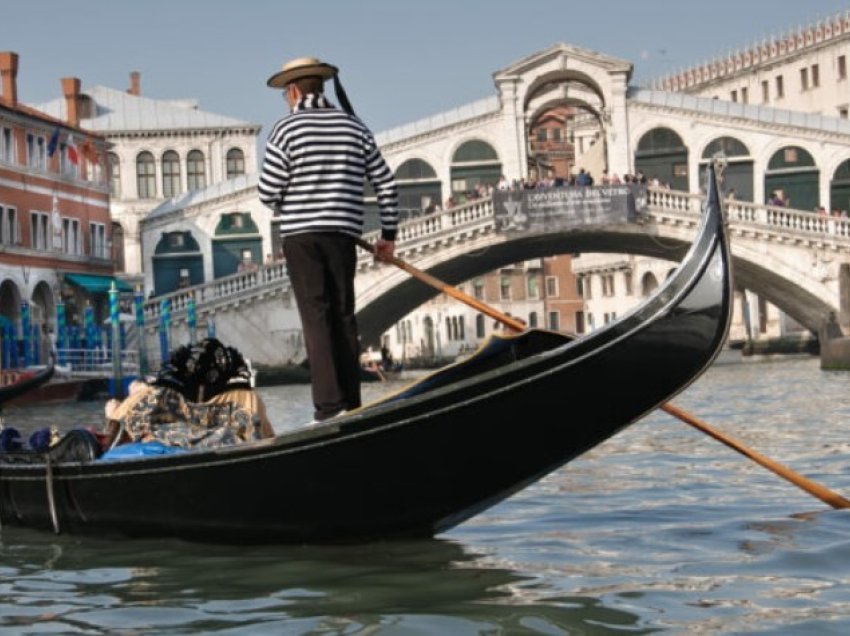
pixel 17 383
pixel 419 461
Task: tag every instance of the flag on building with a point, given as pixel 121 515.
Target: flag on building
pixel 73 157
pixel 54 141
pixel 89 151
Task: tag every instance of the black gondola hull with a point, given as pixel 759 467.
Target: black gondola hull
pixel 416 464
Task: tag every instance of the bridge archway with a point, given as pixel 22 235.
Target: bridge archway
pixel 662 153
pixel 177 262
pixel 396 293
pixel 793 172
pixel 10 301
pixel 235 233
pixel 474 163
pixel 43 307
pixel 419 187
pixel 839 188
pixel 738 173
pixel 575 102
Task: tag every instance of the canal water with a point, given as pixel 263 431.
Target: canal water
pixel 659 529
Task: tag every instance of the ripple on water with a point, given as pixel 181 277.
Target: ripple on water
pixel 659 528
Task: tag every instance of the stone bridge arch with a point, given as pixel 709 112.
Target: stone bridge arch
pixel 386 293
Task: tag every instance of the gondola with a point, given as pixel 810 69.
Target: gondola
pixel 25 381
pixel 420 461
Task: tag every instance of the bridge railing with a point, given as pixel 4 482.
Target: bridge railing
pixel 222 290
pixel 444 223
pixel 756 214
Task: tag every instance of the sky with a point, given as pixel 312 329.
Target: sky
pixel 399 60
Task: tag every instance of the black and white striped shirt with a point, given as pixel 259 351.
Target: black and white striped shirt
pixel 314 171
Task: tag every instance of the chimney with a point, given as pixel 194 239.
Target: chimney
pixel 135 83
pixel 71 90
pixel 9 72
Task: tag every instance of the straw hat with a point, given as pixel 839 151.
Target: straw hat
pixel 301 67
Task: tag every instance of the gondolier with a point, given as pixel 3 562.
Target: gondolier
pixel 316 162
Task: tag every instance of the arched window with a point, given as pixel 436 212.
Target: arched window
pixel 419 189
pixel 648 284
pixel 170 174
pixel 114 175
pixel 662 154
pixel 196 177
pixel 145 175
pixel 413 169
pixel 729 146
pixel 474 163
pixel 235 162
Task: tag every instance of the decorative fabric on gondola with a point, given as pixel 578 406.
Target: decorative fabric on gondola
pixel 162 414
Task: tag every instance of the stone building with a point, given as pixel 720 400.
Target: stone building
pixel 160 149
pixel 56 242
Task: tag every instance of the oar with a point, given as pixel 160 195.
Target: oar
pixel 821 492
pixel 813 488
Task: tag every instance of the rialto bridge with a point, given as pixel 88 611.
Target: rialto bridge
pixel 798 261
pixel 790 256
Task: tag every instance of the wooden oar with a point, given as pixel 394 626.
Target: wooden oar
pixel 813 488
pixel 821 492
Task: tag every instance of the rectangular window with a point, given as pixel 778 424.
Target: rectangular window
pixel 579 322
pixel 36 152
pixel 556 134
pixel 478 289
pixel 10 233
pixel 815 76
pixel 780 87
pixel 804 79
pixel 842 67
pixel 734 96
pixel 552 287
pixel 541 134
pixel 38 230
pixel 554 320
pixel 71 236
pixel 505 287
pixel 765 92
pixel 532 290
pixel 609 284
pixel 97 240
pixel 842 112
pixel 745 96
pixel 7 146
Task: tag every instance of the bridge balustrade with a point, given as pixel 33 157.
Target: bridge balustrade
pixel 476 214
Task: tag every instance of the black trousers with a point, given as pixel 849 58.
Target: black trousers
pixel 321 269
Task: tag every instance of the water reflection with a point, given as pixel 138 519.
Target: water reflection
pixel 78 585
pixel 659 528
